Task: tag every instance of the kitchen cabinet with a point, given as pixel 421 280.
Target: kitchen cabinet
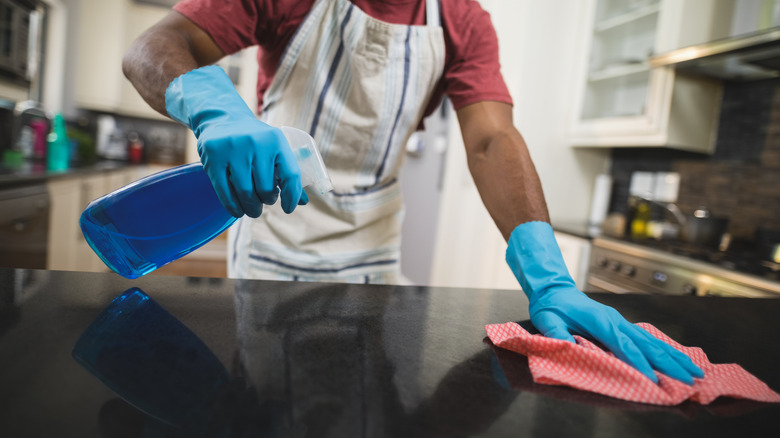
pixel 621 101
pixel 576 255
pixel 67 249
pixel 105 31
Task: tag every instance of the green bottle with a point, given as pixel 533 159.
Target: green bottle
pixel 58 150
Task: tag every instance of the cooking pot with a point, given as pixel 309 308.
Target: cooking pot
pixel 768 244
pixel 703 228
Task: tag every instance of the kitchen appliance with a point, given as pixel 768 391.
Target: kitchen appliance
pixel 768 244
pixel 111 140
pixel 680 268
pixel 7 124
pixel 24 226
pixel 20 33
pixel 703 228
pixel 745 57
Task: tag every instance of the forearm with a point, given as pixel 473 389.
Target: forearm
pixel 165 51
pixel 502 168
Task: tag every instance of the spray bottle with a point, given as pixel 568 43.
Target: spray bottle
pixel 165 216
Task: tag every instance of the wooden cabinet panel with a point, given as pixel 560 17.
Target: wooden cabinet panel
pixel 67 248
pixel 105 31
pixel 63 224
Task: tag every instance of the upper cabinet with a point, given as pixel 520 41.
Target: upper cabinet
pixel 105 31
pixel 622 101
pixel 106 28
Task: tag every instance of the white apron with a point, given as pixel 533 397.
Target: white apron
pixel 360 87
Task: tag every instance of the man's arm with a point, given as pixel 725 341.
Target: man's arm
pixel 510 189
pixel 248 162
pixel 170 48
pixel 501 166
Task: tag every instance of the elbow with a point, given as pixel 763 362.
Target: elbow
pixel 127 63
pixel 494 144
pixel 133 56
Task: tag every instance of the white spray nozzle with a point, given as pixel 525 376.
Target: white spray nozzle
pixel 313 171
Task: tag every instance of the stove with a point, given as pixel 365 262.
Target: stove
pixel 678 268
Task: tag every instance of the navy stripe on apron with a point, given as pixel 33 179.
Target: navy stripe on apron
pixel 400 106
pixel 322 270
pixel 331 73
pixel 365 192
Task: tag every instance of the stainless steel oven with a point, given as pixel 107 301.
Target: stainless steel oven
pixel 622 267
pixel 24 226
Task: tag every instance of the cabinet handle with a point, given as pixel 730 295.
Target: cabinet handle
pixel 20 225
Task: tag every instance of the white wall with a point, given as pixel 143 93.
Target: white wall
pixel 539 43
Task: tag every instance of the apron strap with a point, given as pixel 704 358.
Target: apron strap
pixel 432 16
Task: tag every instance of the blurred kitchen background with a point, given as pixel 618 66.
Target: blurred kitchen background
pixel 654 126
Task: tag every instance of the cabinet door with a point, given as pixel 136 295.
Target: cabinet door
pixel 622 101
pixel 63 235
pixel 576 255
pixel 67 248
pixel 100 37
pixel 106 29
pixel 90 188
pixel 139 18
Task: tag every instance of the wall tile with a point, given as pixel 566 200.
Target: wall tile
pixel 740 180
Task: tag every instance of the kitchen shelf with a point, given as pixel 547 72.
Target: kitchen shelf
pixel 624 102
pixel 627 18
pixel 618 71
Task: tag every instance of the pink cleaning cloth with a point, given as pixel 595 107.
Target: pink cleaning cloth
pixel 587 367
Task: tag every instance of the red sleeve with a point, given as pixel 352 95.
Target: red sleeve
pixel 472 72
pixel 237 24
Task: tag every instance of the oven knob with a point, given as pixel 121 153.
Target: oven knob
pixel 689 289
pixel 614 265
pixel 601 262
pixel 629 270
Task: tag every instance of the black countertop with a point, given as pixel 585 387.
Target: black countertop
pixel 35 172
pixel 307 359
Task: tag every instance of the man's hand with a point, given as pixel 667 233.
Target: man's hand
pixel 248 162
pixel 558 309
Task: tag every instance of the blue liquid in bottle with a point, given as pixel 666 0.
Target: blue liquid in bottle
pixel 155 220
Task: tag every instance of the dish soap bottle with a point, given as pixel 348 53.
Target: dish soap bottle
pixel 57 154
pixel 165 216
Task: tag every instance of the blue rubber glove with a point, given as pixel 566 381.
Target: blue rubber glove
pixel 248 162
pixel 558 309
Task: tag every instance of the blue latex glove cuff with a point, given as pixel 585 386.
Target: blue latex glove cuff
pixel 535 258
pixel 558 309
pixel 202 96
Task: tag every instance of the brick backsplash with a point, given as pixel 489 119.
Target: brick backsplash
pixel 740 180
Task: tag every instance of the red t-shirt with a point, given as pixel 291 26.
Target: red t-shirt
pixel 471 72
